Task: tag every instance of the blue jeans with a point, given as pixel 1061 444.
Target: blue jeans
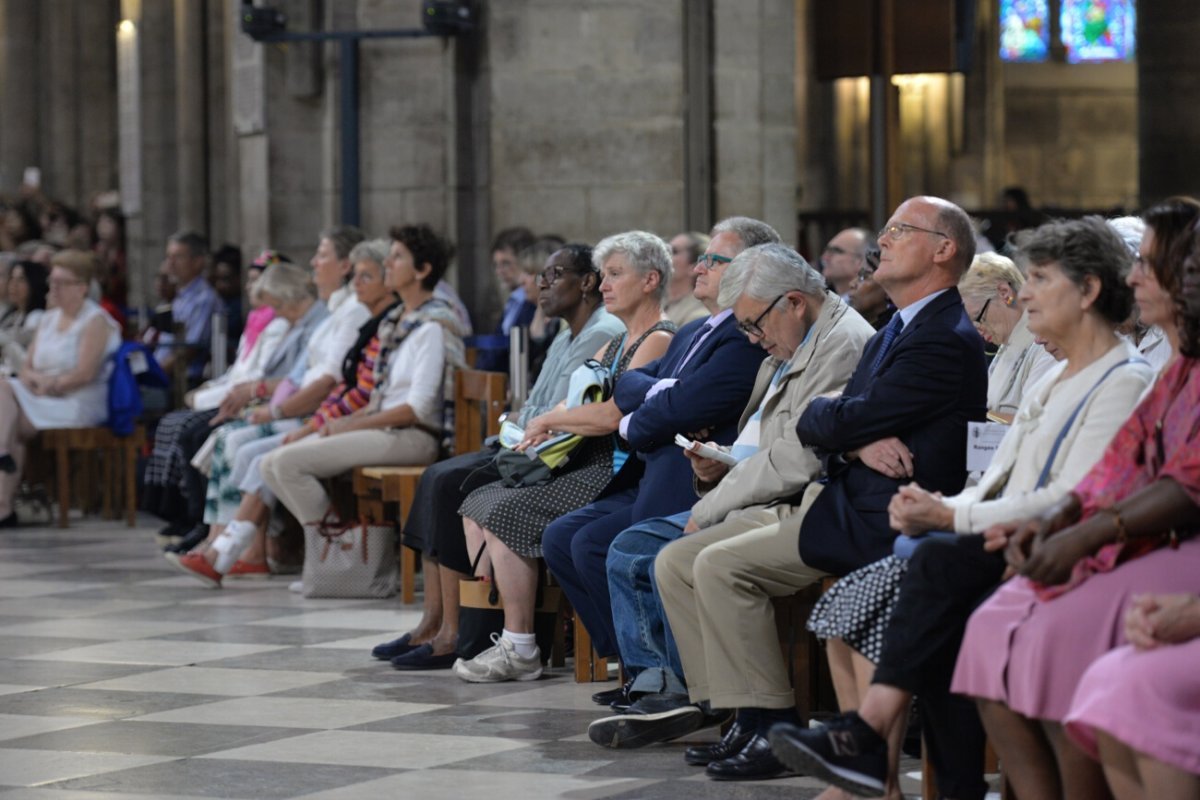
pixel 575 546
pixel 647 648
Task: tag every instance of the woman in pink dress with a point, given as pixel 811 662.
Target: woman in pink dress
pixel 1121 532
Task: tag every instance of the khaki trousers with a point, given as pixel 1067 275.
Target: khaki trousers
pixel 294 471
pixel 716 586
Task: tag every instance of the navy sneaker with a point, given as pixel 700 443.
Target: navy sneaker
pixel 845 752
pixel 652 718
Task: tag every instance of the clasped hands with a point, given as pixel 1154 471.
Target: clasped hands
pixel 1045 548
pixel 1154 620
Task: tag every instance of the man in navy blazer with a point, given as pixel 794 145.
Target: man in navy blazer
pixel 902 417
pixel 699 386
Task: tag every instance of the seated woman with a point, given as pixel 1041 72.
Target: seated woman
pixel 261 336
pixel 238 501
pixel 64 380
pixel 1116 535
pixel 542 329
pixel 1074 299
pixel 1135 709
pixel 991 292
pixel 27 290
pixel 315 347
pixel 636 268
pixel 420 346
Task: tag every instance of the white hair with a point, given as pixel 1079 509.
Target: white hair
pixel 767 271
pixel 645 252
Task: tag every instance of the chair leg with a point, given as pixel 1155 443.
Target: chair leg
pixel 62 456
pixel 130 468
pixel 408 556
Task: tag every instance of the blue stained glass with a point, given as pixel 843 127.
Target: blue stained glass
pixel 1099 30
pixel 1024 30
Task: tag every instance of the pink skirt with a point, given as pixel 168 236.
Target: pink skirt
pixel 1146 699
pixel 1030 654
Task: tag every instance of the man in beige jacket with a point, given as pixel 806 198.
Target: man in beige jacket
pixel 814 340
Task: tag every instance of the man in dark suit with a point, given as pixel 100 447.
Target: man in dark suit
pixel 701 384
pixel 902 417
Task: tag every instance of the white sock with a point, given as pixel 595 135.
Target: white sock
pixel 525 644
pixel 232 542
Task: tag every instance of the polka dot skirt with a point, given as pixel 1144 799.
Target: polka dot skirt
pixel 858 608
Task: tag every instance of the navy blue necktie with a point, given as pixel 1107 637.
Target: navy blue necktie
pixel 885 345
pixel 694 346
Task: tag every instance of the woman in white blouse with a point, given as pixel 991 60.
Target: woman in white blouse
pixel 64 380
pixel 420 344
pixel 991 292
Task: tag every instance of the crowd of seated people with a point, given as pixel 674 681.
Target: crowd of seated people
pixel 1048 605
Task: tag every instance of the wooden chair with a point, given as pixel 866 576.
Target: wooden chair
pixel 118 467
pixel 380 492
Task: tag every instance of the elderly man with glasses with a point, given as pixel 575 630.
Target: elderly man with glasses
pixel 842 259
pixel 813 340
pixel 902 417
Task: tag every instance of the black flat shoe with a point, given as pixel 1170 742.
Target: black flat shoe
pixel 730 745
pixel 617 699
pixel 422 657
pixel 189 542
pixel 10 521
pixel 397 647
pixel 755 762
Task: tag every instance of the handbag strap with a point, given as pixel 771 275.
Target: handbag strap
pixel 1062 434
pixel 494 594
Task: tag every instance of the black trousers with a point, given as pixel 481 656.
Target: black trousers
pixel 946 580
pixel 434 526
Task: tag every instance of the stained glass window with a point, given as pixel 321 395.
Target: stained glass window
pixel 1024 30
pixel 1098 30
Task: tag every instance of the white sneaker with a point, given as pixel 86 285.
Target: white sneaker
pixel 296 586
pixel 499 663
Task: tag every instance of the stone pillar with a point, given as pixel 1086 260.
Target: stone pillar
pixel 755 119
pixel 191 142
pixel 21 131
pixel 1168 99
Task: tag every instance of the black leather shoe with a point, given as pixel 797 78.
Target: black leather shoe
pixel 422 657
pixel 730 745
pixel 397 647
pixel 10 521
pixel 755 762
pixel 188 543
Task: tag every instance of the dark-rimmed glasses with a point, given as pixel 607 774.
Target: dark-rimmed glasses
pixel 899 230
pixel 753 328
pixel 711 260
pixel 982 312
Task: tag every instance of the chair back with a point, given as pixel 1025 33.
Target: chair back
pixel 479 398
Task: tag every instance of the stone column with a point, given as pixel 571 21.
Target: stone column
pixel 1168 99
pixel 191 143
pixel 21 131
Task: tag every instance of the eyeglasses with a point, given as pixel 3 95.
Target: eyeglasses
pixel 982 312
pixel 753 328
pixel 549 276
pixel 899 230
pixel 709 261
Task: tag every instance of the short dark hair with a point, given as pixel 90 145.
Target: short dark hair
pixel 1172 221
pixel 194 241
pixel 427 248
pixel 1083 247
pixel 581 258
pixel 37 279
pixel 230 255
pixel 515 239
pixel 343 238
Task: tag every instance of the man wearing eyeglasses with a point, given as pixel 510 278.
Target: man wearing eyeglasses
pixel 902 417
pixel 842 259
pixel 814 340
pixel 700 385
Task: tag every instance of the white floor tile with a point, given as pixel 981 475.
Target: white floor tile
pixel 364 749
pixel 31 587
pixel 105 629
pixel 289 712
pixel 215 681
pixel 367 619
pixel 31 767
pixel 450 784
pixel 169 653
pixel 16 726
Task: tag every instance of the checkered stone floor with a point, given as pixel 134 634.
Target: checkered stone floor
pixel 120 678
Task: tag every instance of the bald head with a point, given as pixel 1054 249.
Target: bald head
pixel 925 247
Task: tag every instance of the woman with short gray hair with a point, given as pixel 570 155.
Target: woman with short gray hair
pixel 644 252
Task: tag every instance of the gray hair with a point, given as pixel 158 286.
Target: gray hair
pixel 371 250
pixel 287 284
pixel 767 271
pixel 752 232
pixel 1083 247
pixel 987 271
pixel 1131 230
pixel 646 252
pixel 343 238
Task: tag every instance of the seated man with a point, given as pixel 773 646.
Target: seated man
pixel 902 417
pixel 518 310
pixel 701 384
pixel 814 340
pixel 571 292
